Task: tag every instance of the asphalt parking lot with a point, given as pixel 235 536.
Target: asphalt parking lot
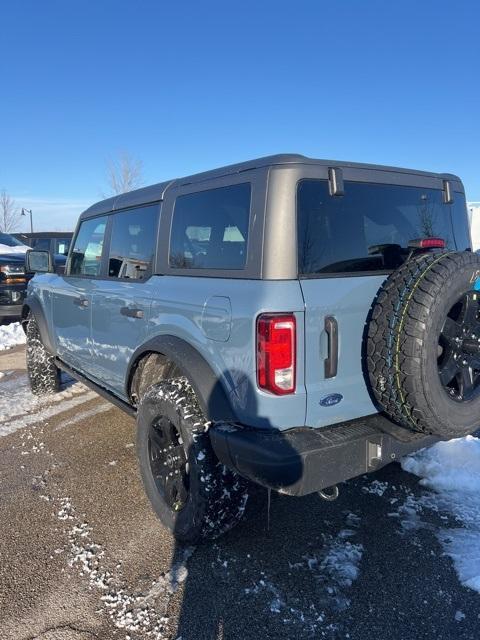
pixel 82 556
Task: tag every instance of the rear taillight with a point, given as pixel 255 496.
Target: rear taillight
pixel 276 353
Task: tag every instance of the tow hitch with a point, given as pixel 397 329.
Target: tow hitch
pixel 329 493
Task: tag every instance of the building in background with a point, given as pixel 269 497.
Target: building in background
pixel 474 216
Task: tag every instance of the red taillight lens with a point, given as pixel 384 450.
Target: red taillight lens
pixel 276 353
pixel 427 243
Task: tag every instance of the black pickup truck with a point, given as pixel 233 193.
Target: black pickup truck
pixel 13 279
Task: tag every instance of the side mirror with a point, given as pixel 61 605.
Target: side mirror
pixel 38 262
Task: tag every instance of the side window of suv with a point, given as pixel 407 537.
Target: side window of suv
pixel 86 259
pixel 210 229
pixel 132 245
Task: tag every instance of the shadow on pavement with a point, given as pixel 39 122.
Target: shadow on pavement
pixel 347 569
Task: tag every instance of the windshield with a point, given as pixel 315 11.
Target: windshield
pixel 10 241
pixel 369 228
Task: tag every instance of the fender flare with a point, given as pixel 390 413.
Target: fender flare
pixel 210 392
pixel 33 305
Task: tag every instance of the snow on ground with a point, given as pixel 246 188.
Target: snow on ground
pixel 132 611
pixel 19 408
pixel 11 335
pixel 452 471
pixel 334 565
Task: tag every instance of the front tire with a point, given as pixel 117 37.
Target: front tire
pixel 43 374
pixel 193 494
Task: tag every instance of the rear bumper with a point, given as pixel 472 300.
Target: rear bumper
pixel 303 460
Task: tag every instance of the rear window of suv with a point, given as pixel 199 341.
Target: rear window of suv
pixel 369 228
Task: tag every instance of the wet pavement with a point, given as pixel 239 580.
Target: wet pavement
pixel 82 555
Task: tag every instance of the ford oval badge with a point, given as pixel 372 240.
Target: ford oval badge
pixel 332 399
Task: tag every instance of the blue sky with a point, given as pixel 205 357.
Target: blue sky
pixel 187 86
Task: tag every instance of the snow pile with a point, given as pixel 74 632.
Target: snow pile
pixel 447 467
pixel 452 470
pixel 11 335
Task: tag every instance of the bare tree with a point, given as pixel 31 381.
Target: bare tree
pixel 9 213
pixel 427 218
pixel 124 174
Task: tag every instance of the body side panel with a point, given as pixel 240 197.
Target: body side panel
pixel 177 310
pixel 71 321
pixel 115 336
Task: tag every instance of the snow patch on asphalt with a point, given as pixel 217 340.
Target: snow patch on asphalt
pixel 375 487
pixel 11 335
pixel 19 408
pixel 60 406
pixel 340 566
pixel 171 580
pixel 286 606
pixel 334 566
pixel 83 415
pixel 137 612
pixel 452 471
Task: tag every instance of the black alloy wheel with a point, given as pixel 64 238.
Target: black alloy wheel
pixel 194 495
pixel 168 463
pixel 459 349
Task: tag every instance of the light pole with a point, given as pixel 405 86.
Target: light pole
pixel 24 213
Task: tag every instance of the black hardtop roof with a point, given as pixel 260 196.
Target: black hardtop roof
pixel 156 192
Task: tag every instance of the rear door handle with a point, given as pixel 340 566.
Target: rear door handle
pixel 331 362
pixel 131 312
pixel 81 302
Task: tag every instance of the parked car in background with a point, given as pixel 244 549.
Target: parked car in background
pixel 13 279
pixel 57 242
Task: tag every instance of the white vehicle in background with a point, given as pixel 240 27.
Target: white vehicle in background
pixel 474 217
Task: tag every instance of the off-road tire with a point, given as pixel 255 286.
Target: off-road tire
pixel 43 374
pixel 402 348
pixel 217 496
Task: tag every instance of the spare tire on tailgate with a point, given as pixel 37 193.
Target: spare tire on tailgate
pixel 423 344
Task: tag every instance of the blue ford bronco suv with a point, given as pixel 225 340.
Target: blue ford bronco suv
pixel 287 321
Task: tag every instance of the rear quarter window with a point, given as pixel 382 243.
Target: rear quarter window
pixel 210 229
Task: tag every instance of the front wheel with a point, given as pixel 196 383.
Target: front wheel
pixel 193 494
